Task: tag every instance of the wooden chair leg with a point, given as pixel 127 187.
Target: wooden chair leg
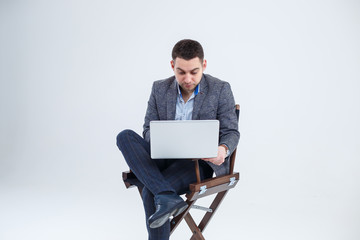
pixel 140 191
pixel 177 220
pixel 197 235
pixel 215 204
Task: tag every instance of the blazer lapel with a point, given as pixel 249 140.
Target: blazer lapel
pixel 171 101
pixel 199 98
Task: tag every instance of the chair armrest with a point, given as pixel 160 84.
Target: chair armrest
pixel 212 185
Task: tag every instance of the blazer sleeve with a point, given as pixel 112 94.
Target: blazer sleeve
pixel 229 134
pixel 151 114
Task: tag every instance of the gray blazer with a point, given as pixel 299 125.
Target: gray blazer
pixel 214 101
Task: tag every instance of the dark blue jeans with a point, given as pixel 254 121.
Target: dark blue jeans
pixel 157 175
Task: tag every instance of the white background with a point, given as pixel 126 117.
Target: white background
pixel 75 73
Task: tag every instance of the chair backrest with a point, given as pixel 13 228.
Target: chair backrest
pixel 233 155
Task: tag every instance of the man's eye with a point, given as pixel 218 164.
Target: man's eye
pixel 194 73
pixel 181 73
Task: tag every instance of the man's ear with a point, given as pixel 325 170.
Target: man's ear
pixel 172 65
pixel 204 64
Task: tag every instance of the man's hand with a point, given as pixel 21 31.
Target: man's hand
pixel 220 157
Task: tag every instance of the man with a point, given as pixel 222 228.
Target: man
pixel 189 94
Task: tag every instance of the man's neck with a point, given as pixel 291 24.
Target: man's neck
pixel 185 95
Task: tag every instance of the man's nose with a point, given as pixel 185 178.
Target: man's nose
pixel 187 78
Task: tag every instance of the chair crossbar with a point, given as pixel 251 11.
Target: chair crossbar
pixel 202 208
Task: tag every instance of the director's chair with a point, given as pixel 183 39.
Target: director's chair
pixel 217 185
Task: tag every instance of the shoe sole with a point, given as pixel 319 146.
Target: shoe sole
pixel 180 210
pixel 163 219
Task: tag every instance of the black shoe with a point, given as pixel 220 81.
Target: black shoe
pixel 166 206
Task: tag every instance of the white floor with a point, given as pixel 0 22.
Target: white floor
pixel 41 214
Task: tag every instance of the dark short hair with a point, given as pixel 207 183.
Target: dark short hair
pixel 188 49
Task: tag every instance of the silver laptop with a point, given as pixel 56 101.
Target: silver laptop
pixel 184 139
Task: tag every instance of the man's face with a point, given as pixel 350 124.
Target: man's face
pixel 188 73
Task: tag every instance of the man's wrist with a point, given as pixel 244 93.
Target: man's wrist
pixel 227 151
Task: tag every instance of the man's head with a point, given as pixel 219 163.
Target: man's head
pixel 188 64
pixel 187 49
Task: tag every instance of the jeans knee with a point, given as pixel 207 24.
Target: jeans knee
pixel 122 136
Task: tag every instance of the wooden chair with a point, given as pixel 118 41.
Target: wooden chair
pixel 217 185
